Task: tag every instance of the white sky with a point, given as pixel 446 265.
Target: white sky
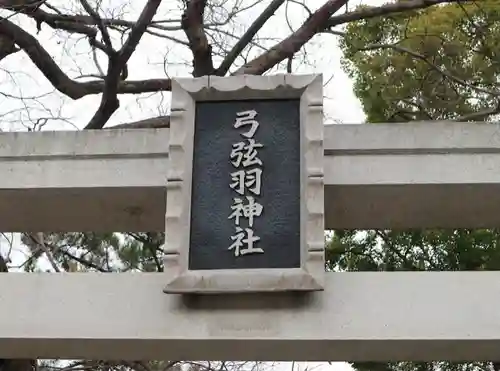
pixel 154 58
pixel 315 366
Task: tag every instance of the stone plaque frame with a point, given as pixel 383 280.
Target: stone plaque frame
pixel 186 92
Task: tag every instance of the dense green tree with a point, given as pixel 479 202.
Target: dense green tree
pixel 440 63
pixel 434 64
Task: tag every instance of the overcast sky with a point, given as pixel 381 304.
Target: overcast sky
pixel 154 58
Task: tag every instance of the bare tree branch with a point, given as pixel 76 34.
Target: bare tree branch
pixel 73 89
pixel 154 122
pixel 108 46
pixel 36 242
pixel 3 265
pixel 248 36
pixel 192 24
pixel 17 5
pixel 87 20
pixel 117 62
pixel 293 43
pixel 83 262
pixel 377 11
pixel 138 30
pixel 79 22
pixel 7 47
pixel 62 22
pixel 321 20
pixel 480 115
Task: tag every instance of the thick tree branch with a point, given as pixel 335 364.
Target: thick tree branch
pixel 41 59
pixel 153 122
pixel 109 100
pixel 117 62
pixel 78 18
pixel 248 36
pixel 3 265
pixel 377 11
pixel 20 5
pixel 192 24
pixel 293 43
pixel 81 24
pixel 7 47
pixel 73 89
pixel 321 20
pixel 58 21
pixel 138 30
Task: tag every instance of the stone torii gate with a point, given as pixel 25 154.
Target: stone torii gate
pixel 414 175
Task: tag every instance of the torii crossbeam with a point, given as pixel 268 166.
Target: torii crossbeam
pixel 420 175
pixel 414 175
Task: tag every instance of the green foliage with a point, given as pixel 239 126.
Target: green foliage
pixel 439 63
pixel 101 252
pixel 415 250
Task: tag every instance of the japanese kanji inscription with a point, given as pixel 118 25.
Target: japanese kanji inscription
pixel 244 155
pixel 245 185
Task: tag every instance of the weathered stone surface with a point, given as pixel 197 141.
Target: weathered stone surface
pixel 357 318
pixel 376 176
pixel 83 180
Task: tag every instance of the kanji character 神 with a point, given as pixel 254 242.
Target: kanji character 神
pixel 248 210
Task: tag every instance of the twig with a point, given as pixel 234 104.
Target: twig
pixel 248 36
pixel 84 262
pixel 389 244
pixel 38 239
pixel 108 46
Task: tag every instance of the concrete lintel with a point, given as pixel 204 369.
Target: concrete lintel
pixel 105 180
pixel 419 316
pixel 411 175
pixel 413 137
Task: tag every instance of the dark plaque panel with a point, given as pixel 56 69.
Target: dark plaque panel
pixel 278 222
